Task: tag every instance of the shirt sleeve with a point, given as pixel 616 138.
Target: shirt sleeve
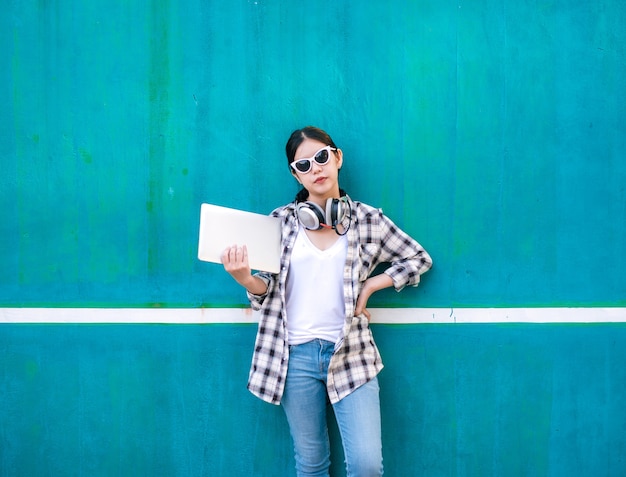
pixel 408 259
pixel 256 301
pixel 270 279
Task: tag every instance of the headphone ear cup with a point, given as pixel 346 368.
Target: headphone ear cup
pixel 311 215
pixel 331 212
pixel 335 211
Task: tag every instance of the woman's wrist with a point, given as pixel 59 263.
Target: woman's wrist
pixel 254 285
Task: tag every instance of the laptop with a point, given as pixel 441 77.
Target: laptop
pixel 222 227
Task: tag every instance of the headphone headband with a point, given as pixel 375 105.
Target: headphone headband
pixel 314 217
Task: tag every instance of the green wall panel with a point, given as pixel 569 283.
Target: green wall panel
pixel 457 400
pixel 492 131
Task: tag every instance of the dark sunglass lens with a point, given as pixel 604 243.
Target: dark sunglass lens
pixel 322 157
pixel 303 166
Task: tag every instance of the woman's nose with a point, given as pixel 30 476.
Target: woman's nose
pixel 316 166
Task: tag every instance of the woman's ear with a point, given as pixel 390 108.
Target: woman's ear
pixel 339 156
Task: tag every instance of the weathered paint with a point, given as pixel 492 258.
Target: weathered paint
pixel 493 132
pixel 457 400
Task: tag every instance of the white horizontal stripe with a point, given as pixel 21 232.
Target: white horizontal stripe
pixel 379 315
pixel 498 315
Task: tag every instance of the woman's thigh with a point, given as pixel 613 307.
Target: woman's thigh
pixel 305 402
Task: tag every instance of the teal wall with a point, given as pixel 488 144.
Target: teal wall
pixel 457 400
pixel 494 132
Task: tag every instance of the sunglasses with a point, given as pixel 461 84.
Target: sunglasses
pixel 305 164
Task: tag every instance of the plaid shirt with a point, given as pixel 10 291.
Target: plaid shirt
pixel 372 239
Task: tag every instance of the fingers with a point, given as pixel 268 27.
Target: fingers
pixel 362 311
pixel 367 314
pixel 360 307
pixel 235 256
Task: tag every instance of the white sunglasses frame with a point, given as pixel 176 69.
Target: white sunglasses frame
pixel 312 159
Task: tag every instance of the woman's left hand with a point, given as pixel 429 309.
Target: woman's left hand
pixel 361 310
pixel 361 302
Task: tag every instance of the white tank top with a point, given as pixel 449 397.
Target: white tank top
pixel 315 300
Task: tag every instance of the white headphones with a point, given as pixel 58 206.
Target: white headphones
pixel 313 217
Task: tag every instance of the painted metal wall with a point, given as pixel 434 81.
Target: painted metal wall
pixel 457 400
pixel 491 131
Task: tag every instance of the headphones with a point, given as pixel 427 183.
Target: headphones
pixel 313 217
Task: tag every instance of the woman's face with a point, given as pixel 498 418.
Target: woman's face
pixel 322 180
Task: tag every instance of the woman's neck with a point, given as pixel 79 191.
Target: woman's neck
pixel 321 199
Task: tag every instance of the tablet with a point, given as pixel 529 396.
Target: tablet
pixel 222 227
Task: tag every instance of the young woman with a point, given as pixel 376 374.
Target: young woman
pixel 314 345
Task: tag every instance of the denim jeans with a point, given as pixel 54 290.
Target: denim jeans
pixel 305 402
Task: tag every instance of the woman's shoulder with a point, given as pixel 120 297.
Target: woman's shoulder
pixel 283 210
pixel 365 210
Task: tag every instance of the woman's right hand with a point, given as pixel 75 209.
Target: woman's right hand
pixel 235 260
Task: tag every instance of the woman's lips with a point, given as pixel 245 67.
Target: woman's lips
pixel 319 180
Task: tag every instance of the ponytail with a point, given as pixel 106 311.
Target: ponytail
pixel 302 195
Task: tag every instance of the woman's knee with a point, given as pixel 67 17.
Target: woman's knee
pixel 370 465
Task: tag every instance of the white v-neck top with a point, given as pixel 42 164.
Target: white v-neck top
pixel 314 292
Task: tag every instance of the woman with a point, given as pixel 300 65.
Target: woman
pixel 314 344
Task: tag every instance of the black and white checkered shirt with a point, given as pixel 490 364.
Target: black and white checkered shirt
pixel 372 239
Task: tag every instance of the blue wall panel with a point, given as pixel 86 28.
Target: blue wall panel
pixel 457 400
pixel 492 132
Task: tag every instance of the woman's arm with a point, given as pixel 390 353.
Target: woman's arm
pixel 407 259
pixel 370 286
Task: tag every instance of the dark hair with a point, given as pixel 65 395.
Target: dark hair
pixel 297 137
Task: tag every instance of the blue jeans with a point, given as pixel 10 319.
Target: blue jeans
pixel 305 403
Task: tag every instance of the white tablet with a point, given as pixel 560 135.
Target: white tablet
pixel 222 227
